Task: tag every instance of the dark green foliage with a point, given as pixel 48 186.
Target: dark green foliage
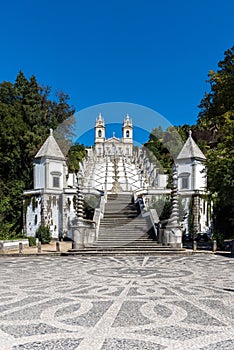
pixel 220 99
pixel 32 241
pixel 75 155
pixel 219 237
pixel 26 115
pixel 90 203
pixel 217 120
pixel 214 134
pixel 164 147
pixel 43 234
pixel 163 207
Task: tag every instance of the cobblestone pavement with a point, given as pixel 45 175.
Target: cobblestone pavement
pixel 104 303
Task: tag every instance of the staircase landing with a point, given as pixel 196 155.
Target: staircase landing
pixel 123 231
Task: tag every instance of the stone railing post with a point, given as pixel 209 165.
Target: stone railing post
pixel 214 247
pixel 232 247
pixel 194 245
pixel 20 247
pixel 39 247
pixel 57 246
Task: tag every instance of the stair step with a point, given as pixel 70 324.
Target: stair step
pixel 104 252
pixel 124 231
pixel 122 228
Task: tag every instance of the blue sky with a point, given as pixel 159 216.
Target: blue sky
pixel 152 53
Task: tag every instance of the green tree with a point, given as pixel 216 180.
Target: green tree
pixel 163 206
pixel 75 155
pixel 217 117
pixel 164 147
pixel 43 234
pixel 26 115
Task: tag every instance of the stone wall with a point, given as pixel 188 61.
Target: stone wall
pixel 13 245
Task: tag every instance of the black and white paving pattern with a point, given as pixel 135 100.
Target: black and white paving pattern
pixel 105 303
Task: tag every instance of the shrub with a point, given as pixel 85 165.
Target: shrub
pixel 90 203
pixel 43 234
pixel 32 241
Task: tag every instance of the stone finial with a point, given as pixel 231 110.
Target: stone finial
pixel 190 133
pixel 51 132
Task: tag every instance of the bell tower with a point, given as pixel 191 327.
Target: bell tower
pixel 127 133
pixel 99 135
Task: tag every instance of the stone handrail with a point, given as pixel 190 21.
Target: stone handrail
pixel 154 219
pixel 98 214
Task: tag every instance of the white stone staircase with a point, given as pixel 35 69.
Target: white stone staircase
pixel 123 230
pixel 101 171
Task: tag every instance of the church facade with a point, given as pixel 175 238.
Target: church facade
pixel 113 146
pixel 111 165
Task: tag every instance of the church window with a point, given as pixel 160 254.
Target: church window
pixel 185 182
pixel 127 133
pixel 127 151
pixel 56 181
pixel 99 133
pixel 99 150
pixel 35 220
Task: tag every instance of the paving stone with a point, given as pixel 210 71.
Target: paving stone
pixel 68 344
pixel 123 344
pixel 227 345
pixel 121 302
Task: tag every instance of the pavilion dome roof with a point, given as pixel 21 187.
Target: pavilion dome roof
pixel 191 150
pixel 50 148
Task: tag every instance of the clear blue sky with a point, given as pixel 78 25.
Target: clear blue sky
pixel 152 53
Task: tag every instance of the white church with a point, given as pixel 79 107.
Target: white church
pixel 113 145
pixel 111 166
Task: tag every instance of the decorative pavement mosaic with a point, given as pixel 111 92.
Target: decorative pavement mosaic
pixel 105 303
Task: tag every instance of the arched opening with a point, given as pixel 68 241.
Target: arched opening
pixel 99 133
pixel 127 133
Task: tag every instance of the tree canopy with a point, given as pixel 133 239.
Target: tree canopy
pixel 26 114
pixel 217 117
pixel 164 145
pixel 214 134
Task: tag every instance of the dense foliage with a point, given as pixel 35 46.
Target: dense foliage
pixel 43 234
pixel 163 206
pixel 90 203
pixel 165 146
pixel 75 155
pixel 26 115
pixel 214 133
pixel 217 118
